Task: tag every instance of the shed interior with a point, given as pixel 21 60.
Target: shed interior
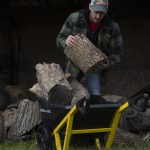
pixel 28 31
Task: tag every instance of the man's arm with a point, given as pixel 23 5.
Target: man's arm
pixel 64 33
pixel 116 46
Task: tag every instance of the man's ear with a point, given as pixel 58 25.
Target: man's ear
pixel 90 7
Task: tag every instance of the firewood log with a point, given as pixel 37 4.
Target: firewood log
pixel 26 118
pixel 124 137
pixel 36 89
pixel 9 115
pixel 60 95
pixel 50 75
pixel 84 54
pixel 79 91
pixel 138 122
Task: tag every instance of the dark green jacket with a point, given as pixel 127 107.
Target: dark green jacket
pixel 108 38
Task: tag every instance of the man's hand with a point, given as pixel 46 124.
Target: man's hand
pixel 102 66
pixel 67 75
pixel 70 40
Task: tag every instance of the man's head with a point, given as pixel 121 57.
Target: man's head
pixel 98 9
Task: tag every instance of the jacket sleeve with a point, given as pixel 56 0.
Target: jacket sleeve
pixel 116 46
pixel 64 33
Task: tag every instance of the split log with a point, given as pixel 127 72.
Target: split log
pixel 36 89
pixel 50 75
pixel 85 55
pixel 9 115
pixel 26 118
pixel 124 137
pixel 79 91
pixel 137 121
pixel 115 98
pixel 60 95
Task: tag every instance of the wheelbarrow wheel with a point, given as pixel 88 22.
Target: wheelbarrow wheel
pixel 44 138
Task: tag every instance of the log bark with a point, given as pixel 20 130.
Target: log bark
pixel 60 95
pixel 50 75
pixel 115 98
pixel 9 115
pixel 124 137
pixel 26 118
pixel 78 90
pixel 85 55
pixel 138 122
pixel 36 89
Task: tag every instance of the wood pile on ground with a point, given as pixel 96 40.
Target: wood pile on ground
pixel 20 118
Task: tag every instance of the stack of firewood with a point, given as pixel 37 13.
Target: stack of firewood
pixel 52 85
pixel 52 75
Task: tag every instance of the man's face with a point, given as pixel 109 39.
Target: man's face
pixel 96 16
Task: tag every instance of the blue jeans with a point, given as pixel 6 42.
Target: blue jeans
pixel 94 83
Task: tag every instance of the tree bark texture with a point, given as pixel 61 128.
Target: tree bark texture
pixel 136 121
pixel 26 118
pixel 78 90
pixel 53 85
pixel 9 114
pixel 84 54
pixel 36 89
pixel 50 75
pixel 124 137
pixel 115 98
pixel 60 95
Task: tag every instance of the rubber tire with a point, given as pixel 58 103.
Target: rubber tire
pixel 44 137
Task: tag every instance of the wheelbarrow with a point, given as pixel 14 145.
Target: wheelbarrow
pixel 63 122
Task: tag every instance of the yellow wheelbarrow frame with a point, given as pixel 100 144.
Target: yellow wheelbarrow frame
pixel 69 131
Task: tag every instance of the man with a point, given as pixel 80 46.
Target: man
pixel 95 23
